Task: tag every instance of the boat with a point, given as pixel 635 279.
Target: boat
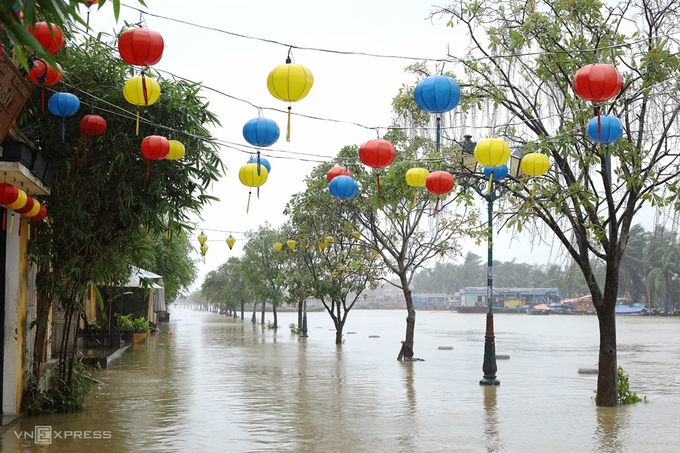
pixel 540 309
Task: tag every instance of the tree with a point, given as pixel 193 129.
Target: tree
pixel 172 260
pixel 336 270
pixel 263 268
pixel 103 206
pixel 227 286
pixel 406 235
pixel 62 13
pixel 520 66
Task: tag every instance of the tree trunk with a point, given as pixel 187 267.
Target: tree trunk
pixel 407 344
pixel 264 305
pixel 300 314
pixel 243 309
pixel 607 394
pixel 339 327
pixel 276 319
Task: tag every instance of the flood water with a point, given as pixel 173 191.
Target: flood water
pixel 219 384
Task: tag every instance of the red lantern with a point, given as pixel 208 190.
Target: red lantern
pixel 8 193
pixel 92 125
pixel 49 36
pixel 27 207
pixel 377 153
pixel 141 47
pixel 337 171
pixel 43 74
pixel 439 182
pixel 40 215
pixel 597 82
pixel 155 147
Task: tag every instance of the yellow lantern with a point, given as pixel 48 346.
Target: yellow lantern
pixel 252 176
pixel 176 150
pixel 416 177
pixel 168 235
pixel 204 250
pixel 328 240
pixel 356 235
pixel 141 90
pixel 20 201
pixel 202 238
pixel 322 245
pixel 492 152
pixel 231 241
pixel 289 83
pixel 535 164
pixel 277 246
pixel 34 211
pixel 291 244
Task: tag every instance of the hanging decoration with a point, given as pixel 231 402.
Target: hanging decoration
pixel 337 171
pixel 597 83
pixel 535 164
pixel 27 207
pixel 277 246
pixel 289 83
pixel 92 125
pixel 154 147
pixel 252 175
pixel 141 47
pixel 44 75
pixel 439 183
pixel 356 235
pixel 416 177
pixel 437 94
pixel 63 105
pixel 608 130
pixel 343 188
pixel 377 153
pixel 204 248
pixel 141 90
pixel 22 199
pixel 261 132
pixel 291 244
pixel 48 35
pixel 231 241
pixel 492 152
pixel 176 150
pixel 8 195
pixel 89 3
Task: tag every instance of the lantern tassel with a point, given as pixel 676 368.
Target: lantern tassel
pixel 533 189
pixel 4 220
pixel 19 232
pixel 137 128
pixel 415 198
pixel 435 207
pixel 438 132
pixel 258 167
pixel 248 206
pixel 340 213
pixel 258 192
pixel 379 193
pixel 599 126
pixel 337 202
pixel 11 222
pixel 147 168
pixel 488 191
pixel 63 130
pixel 288 130
pixel 28 230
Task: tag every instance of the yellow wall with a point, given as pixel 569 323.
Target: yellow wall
pixel 22 308
pixel 514 303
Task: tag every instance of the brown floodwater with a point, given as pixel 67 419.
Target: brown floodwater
pixel 222 385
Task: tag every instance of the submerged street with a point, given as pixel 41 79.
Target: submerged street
pixel 219 384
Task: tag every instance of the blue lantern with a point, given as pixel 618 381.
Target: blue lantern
pixel 437 94
pixel 344 187
pixel 609 130
pixel 63 105
pixel 262 161
pixel 499 173
pixel 261 132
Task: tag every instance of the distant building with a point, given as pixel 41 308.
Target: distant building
pixel 510 297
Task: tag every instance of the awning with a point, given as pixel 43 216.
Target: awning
pixel 159 297
pixel 138 274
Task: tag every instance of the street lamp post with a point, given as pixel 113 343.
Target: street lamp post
pixel 490 194
pixel 304 319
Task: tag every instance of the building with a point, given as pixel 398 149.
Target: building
pixel 509 297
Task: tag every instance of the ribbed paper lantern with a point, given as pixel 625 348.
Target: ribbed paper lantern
pixel 337 171
pixel 437 94
pixel 252 175
pixel 141 90
pixel 498 173
pixel 92 125
pixel 8 193
pixel 597 82
pixel 19 202
pixel 289 83
pixel 231 241
pixel 154 147
pixel 605 129
pixel 277 246
pixel 416 177
pixel 28 206
pixel 63 105
pixel 439 183
pixel 40 215
pixel 492 152
pixel 176 150
pixel 263 162
pixel 377 153
pixel 344 187
pixel 43 74
pixel 48 35
pixel 261 132
pixel 291 244
pixel 35 210
pixel 141 47
pixel 535 164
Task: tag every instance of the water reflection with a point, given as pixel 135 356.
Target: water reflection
pixel 611 421
pixel 492 438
